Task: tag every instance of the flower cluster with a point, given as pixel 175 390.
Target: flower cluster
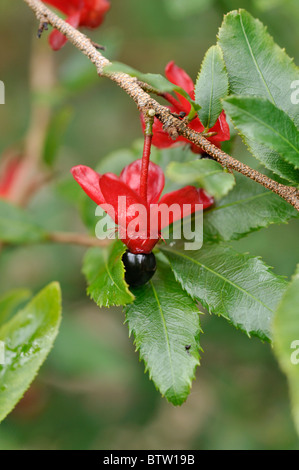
pixel 88 13
pixel 106 190
pixel 180 104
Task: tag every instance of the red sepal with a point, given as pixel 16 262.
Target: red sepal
pixel 89 182
pixel 189 196
pixel 130 175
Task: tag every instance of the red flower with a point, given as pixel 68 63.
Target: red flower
pixel 89 13
pixel 161 139
pixel 108 188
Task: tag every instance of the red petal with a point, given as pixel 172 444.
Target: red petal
pixel 222 129
pixel 67 7
pixel 187 195
pixel 155 184
pixel 93 13
pixel 197 126
pixel 56 39
pixel 89 182
pixel 179 77
pixel 205 199
pixel 112 189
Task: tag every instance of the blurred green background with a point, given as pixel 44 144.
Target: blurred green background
pixel 92 392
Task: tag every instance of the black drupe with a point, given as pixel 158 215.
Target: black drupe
pixel 139 268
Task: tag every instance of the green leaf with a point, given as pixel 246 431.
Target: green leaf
pixel 10 301
pixel 236 286
pixel 104 271
pixel 205 173
pixel 261 121
pixel 28 338
pixel 16 226
pixel 248 207
pixel 272 160
pixel 257 66
pixel 164 320
pixel 159 82
pixel 211 86
pixel 286 340
pixel 55 133
pixel 155 80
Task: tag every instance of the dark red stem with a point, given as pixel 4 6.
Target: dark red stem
pixel 145 165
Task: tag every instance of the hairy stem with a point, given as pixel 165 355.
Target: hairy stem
pixel 144 102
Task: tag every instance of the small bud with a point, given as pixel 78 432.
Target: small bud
pixel 151 112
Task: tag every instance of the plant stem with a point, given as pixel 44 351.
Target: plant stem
pixel 70 238
pixel 144 102
pixel 148 135
pixel 144 167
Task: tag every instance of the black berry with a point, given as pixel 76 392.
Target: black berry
pixel 139 268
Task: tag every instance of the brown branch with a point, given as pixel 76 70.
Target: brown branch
pixel 70 238
pixel 143 100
